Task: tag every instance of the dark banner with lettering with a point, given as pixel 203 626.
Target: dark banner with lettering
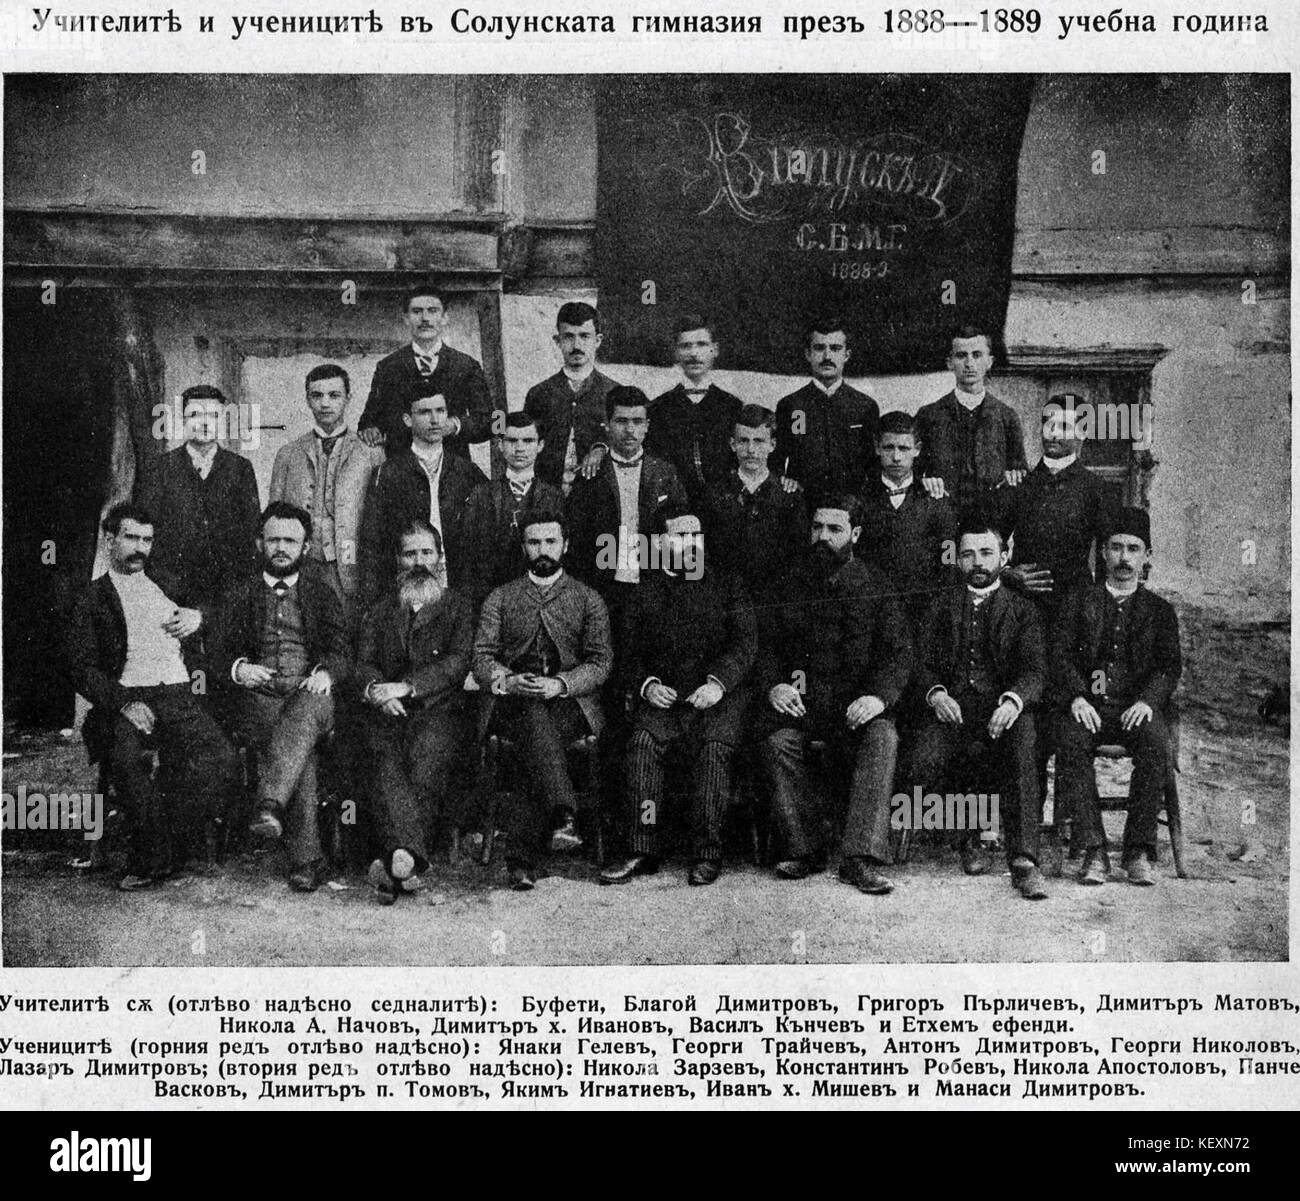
pixel 765 200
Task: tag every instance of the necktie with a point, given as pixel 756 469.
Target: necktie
pixel 427 363
pixel 519 488
pixel 892 491
pixel 327 445
pixel 280 589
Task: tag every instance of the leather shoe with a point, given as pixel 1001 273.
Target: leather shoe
pixel 975 860
pixel 1028 880
pixel 521 879
pixel 401 864
pixel 1140 871
pixel 384 885
pixel 266 824
pixel 308 877
pixel 794 869
pixel 565 837
pixel 1096 867
pixel 864 876
pixel 704 871
pixel 133 883
pixel 636 865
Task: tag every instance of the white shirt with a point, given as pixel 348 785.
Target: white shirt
pixel 896 499
pixel 1119 594
pixel 756 483
pixel 827 389
pixel 202 460
pixel 970 400
pixel 320 433
pixel 152 655
pixel 578 378
pixel 545 581
pixel 521 479
pixel 701 386
pixel 628 568
pixel 432 353
pixel 289 581
pixel 980 595
pixel 1055 465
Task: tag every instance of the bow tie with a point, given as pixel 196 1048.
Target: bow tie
pixel 627 462
pixel 280 588
pixel 696 391
pixel 890 490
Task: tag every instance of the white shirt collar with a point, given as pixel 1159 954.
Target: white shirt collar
pixel 1122 596
pixel 432 353
pixel 578 377
pixel 547 581
pixel 890 486
pixel 754 485
pixel 970 400
pixel 981 594
pixel 432 459
pixel 827 389
pixel 271 580
pixel 201 458
pixel 1055 465
pixel 520 477
pixel 320 433
pixel 640 455
pixel 700 385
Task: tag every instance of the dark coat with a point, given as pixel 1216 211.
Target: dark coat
pixel 557 409
pixel 1153 646
pixel 495 553
pixel 399 492
pixel 430 648
pixel 837 641
pixel 1056 520
pixel 1016 640
pixel 205 531
pixel 397 381
pixel 95 652
pixel 838 444
pixel 593 511
pixel 999 444
pixel 910 544
pixel 237 631
pixel 672 417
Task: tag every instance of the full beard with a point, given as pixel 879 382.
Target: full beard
pixel 280 568
pixel 418 587
pixel 824 562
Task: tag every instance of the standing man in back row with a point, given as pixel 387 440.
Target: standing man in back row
pixel 427 367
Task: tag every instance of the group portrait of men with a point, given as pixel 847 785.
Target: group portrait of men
pixel 814 609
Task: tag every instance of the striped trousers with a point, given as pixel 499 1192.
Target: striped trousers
pixel 711 776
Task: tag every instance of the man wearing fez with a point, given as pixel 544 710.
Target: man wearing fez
pixel 907 534
pixel 421 481
pixel 692 645
pixel 279 650
pixel 542 652
pixel 208 496
pixel 569 406
pixel 691 423
pixel 427 367
pixel 126 647
pixel 412 658
pixel 1116 661
pixel 982 668
pixel 492 512
pixel 326 472
pixel 974 447
pixel 833 664
pixel 826 431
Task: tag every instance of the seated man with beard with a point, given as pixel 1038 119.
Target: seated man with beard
pixel 542 651
pixel 412 657
pixel 279 648
pixel 833 664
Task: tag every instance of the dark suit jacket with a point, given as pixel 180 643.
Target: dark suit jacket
pixel 1056 520
pixel 999 443
pixel 557 409
pixel 1153 646
pixel 95 651
pixel 909 544
pixel 669 436
pixel 399 492
pixel 430 648
pixel 1016 637
pixel 839 640
pixel 761 538
pixel 593 511
pixel 841 460
pixel 495 553
pixel 195 557
pixel 237 631
pixel 575 619
pixel 397 381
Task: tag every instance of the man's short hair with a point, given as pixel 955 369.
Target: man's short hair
pixel 541 513
pixel 417 526
pixel 202 392
pixel 899 422
pixel 125 510
pixel 625 396
pixel 847 502
pixel 422 391
pixel 753 417
pixel 329 371
pixel 577 312
pixel 977 524
pixel 827 323
pixel 972 329
pixel 689 321
pixel 282 510
pixel 521 419
pixel 434 290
